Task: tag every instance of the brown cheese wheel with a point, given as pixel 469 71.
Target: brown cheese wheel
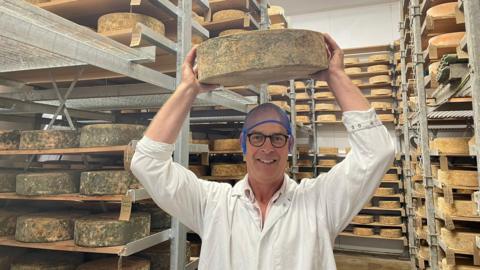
pixel 304 175
pixel 390 220
pixel 379 79
pixel 198 170
pixel 227 14
pixel 357 82
pixel 381 105
pixel 390 177
pixel 391 233
pixel 363 231
pixel 377 68
pixel 302 107
pixel 125 20
pixel 453 145
pixel 378 58
pixel 226 145
pixel 444 44
pixel 302 119
pixel 226 170
pixel 381 92
pixel 458 177
pixel 301 96
pixel 325 107
pixel 327 118
pixel 320 84
pixel 353 70
pixel 328 150
pixel 386 117
pixel 321 95
pixel 351 61
pixel 327 162
pixel 384 191
pixel 304 163
pixel 277 90
pixel 363 219
pixel 389 204
pixel 231 32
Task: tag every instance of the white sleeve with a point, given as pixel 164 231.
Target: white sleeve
pixel 174 188
pixel 343 191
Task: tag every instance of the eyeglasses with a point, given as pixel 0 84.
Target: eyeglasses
pixel 277 140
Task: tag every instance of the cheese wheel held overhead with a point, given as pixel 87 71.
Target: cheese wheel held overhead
pixel 261 57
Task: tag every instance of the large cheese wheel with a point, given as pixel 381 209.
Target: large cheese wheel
pixel 458 178
pixel 159 255
pixel 127 263
pixel 8 219
pixel 159 219
pixel 110 134
pixel 389 204
pixel 378 58
pixel 7 180
pixel 302 96
pixel 381 92
pixel 320 84
pixel 299 85
pixel 302 107
pixel 321 95
pixel 384 191
pixel 259 57
pixel 9 139
pixel 226 145
pixel 231 32
pixel 445 14
pixel 198 18
pixel 459 240
pixel 104 230
pixel 227 14
pixel 328 150
pixel 277 90
pixel 453 145
pixel 304 175
pixel 46 227
pixel 357 82
pixel 282 104
pixel 381 105
pixel 198 170
pixel 274 10
pixel 49 183
pixel 302 119
pixel 304 163
pixel 48 139
pixel 390 220
pixel 8 255
pixel 386 117
pixel 444 44
pixel 363 231
pixel 377 68
pixel 106 182
pixel 462 208
pixel 353 70
pixel 327 118
pixel 125 20
pixel 325 107
pixel 379 79
pixel 391 233
pixel 327 162
pixel 351 61
pixel 220 169
pixel 363 219
pixel 390 177
pixel 47 260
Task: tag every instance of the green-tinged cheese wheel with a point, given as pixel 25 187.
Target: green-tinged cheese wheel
pixel 127 263
pixel 104 230
pixel 106 182
pixel 7 180
pixel 159 220
pixel 110 134
pixel 50 183
pixel 46 227
pixel 49 139
pixel 8 219
pixel 48 260
pixel 9 139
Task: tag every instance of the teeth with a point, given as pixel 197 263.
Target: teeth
pixel 267 161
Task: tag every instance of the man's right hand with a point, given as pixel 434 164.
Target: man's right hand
pixel 190 75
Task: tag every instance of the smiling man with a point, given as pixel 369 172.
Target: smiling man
pixel 267 220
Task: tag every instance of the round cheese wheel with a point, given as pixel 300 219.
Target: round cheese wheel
pixel 390 220
pixel 304 162
pixel 226 145
pixel 198 170
pixel 227 14
pixel 48 139
pixel 277 90
pixel 353 70
pixel 391 233
pixel 49 183
pixel 390 177
pixel 381 92
pixel 381 105
pixel 378 68
pixel 110 134
pixel 320 84
pixel 302 96
pixel 363 231
pixel 299 84
pixel 444 43
pixel 221 169
pixel 304 175
pixel 47 260
pixel 384 191
pixel 106 182
pixel 9 139
pixel 389 204
pixel 442 11
pixel 231 32
pixel 386 117
pixel 351 61
pixel 327 162
pixel 327 118
pixel 363 219
pixel 379 58
pixel 302 119
pixel 324 107
pixel 274 10
pixel 328 150
pixel 258 57
pixel 302 107
pixel 323 95
pixel 357 82
pixel 126 20
pixel 379 79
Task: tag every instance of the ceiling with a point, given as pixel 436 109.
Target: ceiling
pixel 295 7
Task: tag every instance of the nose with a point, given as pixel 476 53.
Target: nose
pixel 267 147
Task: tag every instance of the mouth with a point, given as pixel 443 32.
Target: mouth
pixel 266 161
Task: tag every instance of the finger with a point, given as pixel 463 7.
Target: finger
pixel 191 56
pixel 209 87
pixel 331 42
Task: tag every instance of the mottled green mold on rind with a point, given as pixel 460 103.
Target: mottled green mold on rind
pixel 106 182
pixel 50 183
pixel 49 139
pixel 7 180
pixel 8 219
pixel 9 139
pixel 110 134
pixel 104 230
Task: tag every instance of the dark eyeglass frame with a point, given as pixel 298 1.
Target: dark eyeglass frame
pixel 269 137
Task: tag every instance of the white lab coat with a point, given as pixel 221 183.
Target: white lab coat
pixel 302 220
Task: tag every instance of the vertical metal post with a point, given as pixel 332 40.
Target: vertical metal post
pixel 472 9
pixel 418 59
pixel 264 25
pixel 311 92
pixel 184 43
pixel 407 168
pixel 293 123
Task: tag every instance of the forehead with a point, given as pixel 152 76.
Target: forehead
pixel 269 128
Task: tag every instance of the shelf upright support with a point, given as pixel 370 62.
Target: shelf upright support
pixel 264 25
pixel 311 93
pixel 407 166
pixel 472 9
pixel 419 61
pixel 293 123
pixel 184 43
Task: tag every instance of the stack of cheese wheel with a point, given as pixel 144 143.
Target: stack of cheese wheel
pixel 351 61
pixel 384 191
pixel 381 92
pixel 321 84
pixel 323 95
pixel 328 150
pixel 391 233
pixel 302 108
pixel 386 117
pixel 389 204
pixel 231 32
pixel 327 162
pixel 353 70
pixel 228 170
pixel 274 90
pixel 9 139
pixel 442 18
pixel 363 219
pixel 390 220
pixel 361 231
pixel 126 21
pixel 302 96
pixel 444 44
pixel 327 118
pixel 302 119
pixel 454 145
pixel 325 107
pixel 381 105
pixel 379 79
pixel 227 14
pixel 226 145
pixel 377 68
pixel 378 58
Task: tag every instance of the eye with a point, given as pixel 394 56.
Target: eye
pixel 278 138
pixel 257 137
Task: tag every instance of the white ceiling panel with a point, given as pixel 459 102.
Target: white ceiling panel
pixel 295 7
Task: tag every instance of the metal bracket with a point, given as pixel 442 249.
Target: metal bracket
pixel 415 11
pixel 418 58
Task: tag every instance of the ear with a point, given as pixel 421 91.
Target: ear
pixel 243 142
pixel 291 141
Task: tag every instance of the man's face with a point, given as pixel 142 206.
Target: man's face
pixel 267 163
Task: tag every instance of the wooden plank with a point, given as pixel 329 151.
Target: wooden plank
pixel 246 22
pixel 68 151
pixel 348 234
pixel 368 74
pixel 367 64
pixel 62 197
pixel 369 49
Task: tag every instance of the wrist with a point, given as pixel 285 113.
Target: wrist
pixel 188 89
pixel 336 74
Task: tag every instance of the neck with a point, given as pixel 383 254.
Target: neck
pixel 262 191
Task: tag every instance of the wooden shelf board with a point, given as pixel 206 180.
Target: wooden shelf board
pixel 245 22
pixel 368 74
pixel 366 64
pixel 377 224
pixel 62 197
pixel 66 151
pixel 348 234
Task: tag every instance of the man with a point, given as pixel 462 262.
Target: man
pixel 266 221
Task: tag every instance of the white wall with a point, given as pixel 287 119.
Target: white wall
pixel 354 27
